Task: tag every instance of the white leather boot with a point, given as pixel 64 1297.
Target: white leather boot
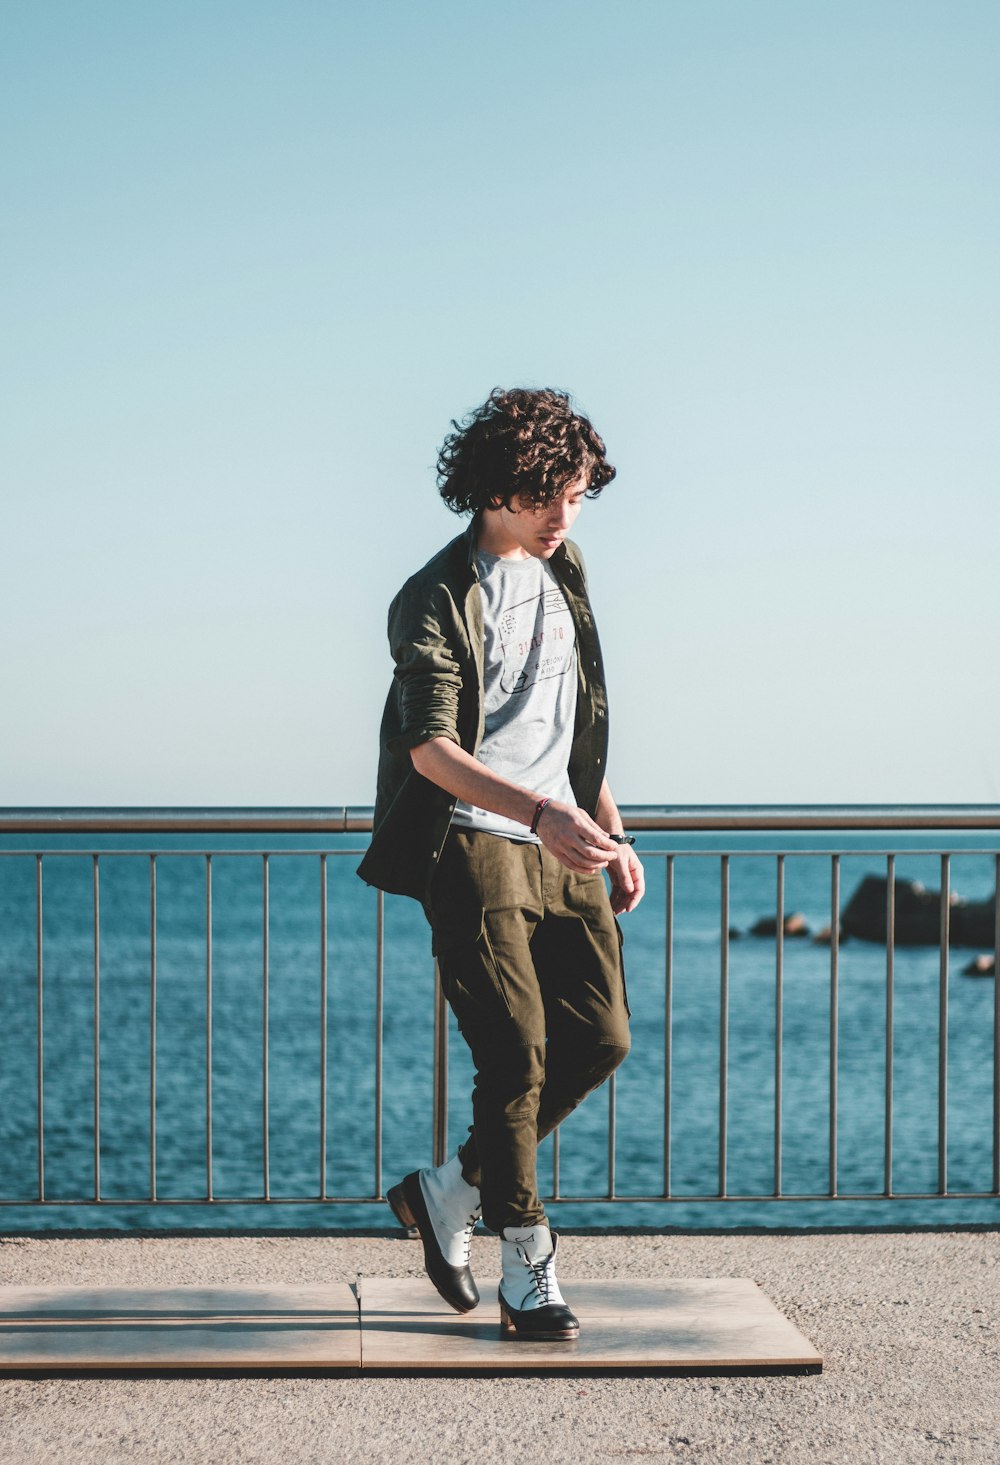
pixel 444 1209
pixel 531 1305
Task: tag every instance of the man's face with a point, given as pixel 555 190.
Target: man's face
pixel 538 530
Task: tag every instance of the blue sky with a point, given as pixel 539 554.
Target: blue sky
pixel 258 256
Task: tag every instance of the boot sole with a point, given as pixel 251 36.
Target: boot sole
pixel 510 1330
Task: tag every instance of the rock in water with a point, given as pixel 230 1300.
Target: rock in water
pixel 918 915
pixel 794 925
pixel 981 966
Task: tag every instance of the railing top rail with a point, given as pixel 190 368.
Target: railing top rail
pixel 336 820
pixel 357 819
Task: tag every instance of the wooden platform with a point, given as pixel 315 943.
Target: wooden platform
pixel 688 1324
pixel 118 1329
pixel 393 1326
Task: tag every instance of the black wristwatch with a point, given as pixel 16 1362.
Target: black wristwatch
pixel 622 838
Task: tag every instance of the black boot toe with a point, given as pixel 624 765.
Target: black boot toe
pixel 551 1323
pixel 455 1284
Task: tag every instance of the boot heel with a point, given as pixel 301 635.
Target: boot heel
pixel 400 1208
pixel 506 1321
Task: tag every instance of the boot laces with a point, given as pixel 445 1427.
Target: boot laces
pixel 543 1276
pixel 467 1231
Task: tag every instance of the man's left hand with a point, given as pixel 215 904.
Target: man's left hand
pixel 628 883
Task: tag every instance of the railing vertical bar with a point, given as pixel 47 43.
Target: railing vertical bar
pixel 890 975
pixel 439 1139
pixel 152 1027
pixel 323 906
pixel 779 1015
pixel 209 1167
pixel 612 1134
pixel 555 1165
pixel 265 1026
pixel 834 1015
pixel 943 1026
pixel 97 1028
pixel 996 1028
pixel 40 1045
pixel 668 1029
pixel 379 997
pixel 723 1024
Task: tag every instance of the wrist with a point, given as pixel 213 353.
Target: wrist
pixel 540 806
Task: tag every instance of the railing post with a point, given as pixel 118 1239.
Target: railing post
pixel 724 1025
pixel 323 1001
pixel 996 1025
pixel 440 1138
pixel 40 1008
pixel 834 1098
pixel 890 1007
pixel 97 1028
pixel 943 1026
pixel 152 1027
pixel 668 1026
pixel 379 1000
pixel 779 1017
pixel 209 1166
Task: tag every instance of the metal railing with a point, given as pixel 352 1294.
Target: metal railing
pixel 27 833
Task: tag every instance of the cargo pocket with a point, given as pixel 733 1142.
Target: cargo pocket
pixel 470 972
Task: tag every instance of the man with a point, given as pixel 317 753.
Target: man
pixel 493 810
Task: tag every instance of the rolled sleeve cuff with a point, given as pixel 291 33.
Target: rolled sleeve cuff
pixel 412 737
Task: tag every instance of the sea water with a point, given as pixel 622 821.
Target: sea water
pixel 643 1144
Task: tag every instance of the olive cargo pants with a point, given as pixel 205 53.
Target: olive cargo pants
pixel 530 960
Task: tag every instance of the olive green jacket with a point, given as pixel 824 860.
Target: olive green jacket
pixel 436 638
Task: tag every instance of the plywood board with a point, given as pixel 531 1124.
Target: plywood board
pixel 178 1327
pixel 403 1326
pixel 700 1323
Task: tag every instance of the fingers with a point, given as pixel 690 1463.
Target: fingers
pixel 601 840
pixel 593 833
pixel 638 887
pixel 573 837
pixel 628 886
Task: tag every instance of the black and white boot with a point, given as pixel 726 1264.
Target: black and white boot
pixel 531 1305
pixel 444 1208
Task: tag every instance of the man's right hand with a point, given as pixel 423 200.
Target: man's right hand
pixel 576 841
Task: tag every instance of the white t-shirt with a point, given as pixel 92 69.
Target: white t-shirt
pixel 530 683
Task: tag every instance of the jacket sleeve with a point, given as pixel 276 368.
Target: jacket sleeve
pixel 427 675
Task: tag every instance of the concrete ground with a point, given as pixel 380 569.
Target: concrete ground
pixel 909 1326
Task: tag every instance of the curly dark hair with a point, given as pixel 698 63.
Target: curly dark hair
pixel 521 443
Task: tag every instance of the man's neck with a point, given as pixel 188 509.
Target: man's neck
pixel 493 539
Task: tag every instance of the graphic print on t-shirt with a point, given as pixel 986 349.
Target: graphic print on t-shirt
pixel 536 641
